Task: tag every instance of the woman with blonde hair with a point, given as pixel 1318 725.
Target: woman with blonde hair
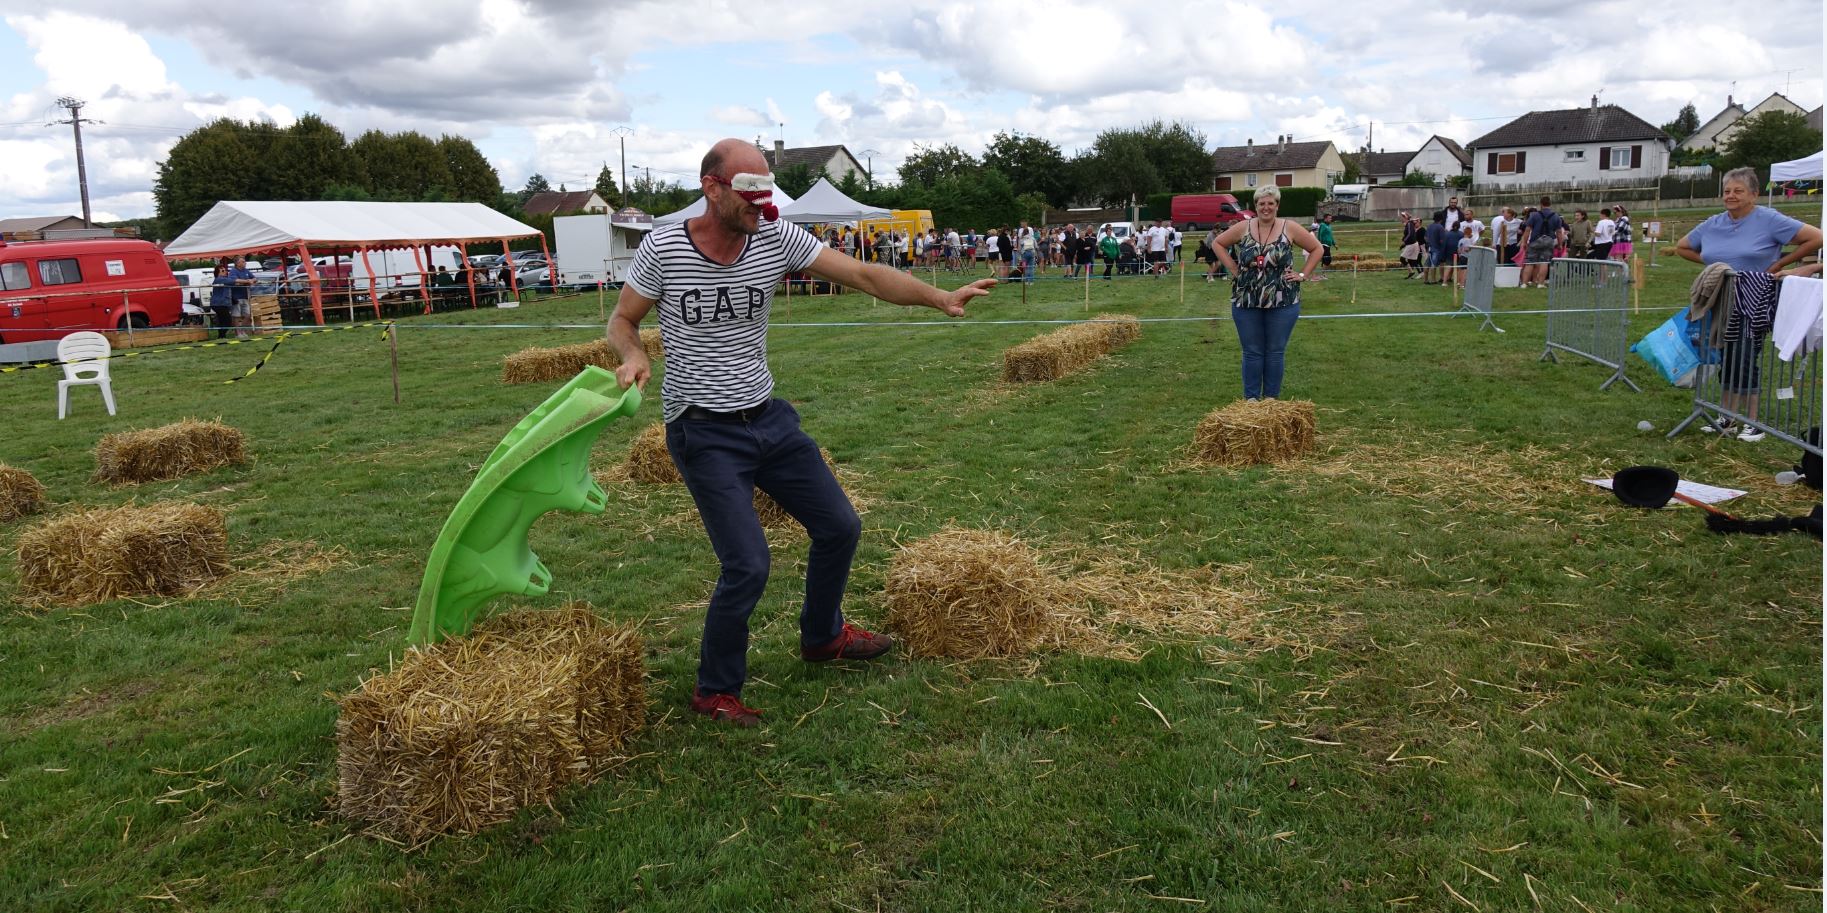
pixel 1265 295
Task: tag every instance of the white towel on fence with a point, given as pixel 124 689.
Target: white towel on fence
pixel 1798 317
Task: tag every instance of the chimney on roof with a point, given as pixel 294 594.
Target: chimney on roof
pixel 1249 146
pixel 1728 100
pixel 780 146
pixel 1595 104
pixel 1282 143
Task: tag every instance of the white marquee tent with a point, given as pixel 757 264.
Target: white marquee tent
pixel 696 209
pixel 825 203
pixel 236 227
pixel 1802 169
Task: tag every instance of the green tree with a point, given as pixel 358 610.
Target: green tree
pixel 851 186
pixel 1773 136
pixel 1354 168
pixel 927 167
pixel 1117 169
pixel 303 159
pixel 1180 156
pixel 535 184
pixel 1684 124
pixel 795 179
pixel 1032 165
pixel 212 163
pixel 472 179
pixel 605 187
pixel 402 167
pixel 1415 179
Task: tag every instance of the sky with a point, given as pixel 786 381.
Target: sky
pixel 562 87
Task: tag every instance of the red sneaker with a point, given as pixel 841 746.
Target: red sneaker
pixel 725 707
pixel 852 643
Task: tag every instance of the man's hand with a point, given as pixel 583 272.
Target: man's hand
pixel 635 371
pixel 954 303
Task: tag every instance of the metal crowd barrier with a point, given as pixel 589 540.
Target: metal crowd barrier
pixel 1748 382
pixel 1593 301
pixel 1480 282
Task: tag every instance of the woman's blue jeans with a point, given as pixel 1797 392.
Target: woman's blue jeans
pixel 1263 334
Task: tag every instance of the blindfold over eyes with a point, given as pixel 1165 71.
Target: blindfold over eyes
pixel 757 189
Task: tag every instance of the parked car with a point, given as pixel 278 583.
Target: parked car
pixel 50 289
pixel 523 255
pixel 532 272
pixel 1207 211
pixel 485 261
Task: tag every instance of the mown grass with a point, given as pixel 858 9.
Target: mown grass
pixel 1475 675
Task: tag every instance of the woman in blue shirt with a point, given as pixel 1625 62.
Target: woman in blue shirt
pixel 1748 238
pixel 221 299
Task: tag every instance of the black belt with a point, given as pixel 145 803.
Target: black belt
pixel 701 414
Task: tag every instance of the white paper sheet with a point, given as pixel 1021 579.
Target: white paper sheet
pixel 1708 494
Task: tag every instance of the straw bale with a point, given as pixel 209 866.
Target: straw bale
pixel 970 593
pixel 168 452
pixel 1068 349
pixel 559 363
pixel 1247 433
pixel 159 550
pixel 648 459
pixel 20 493
pixel 650 341
pixel 463 734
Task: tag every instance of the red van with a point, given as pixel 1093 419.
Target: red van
pixel 1205 211
pixel 50 289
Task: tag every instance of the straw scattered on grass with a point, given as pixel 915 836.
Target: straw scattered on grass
pixel 20 493
pixel 463 734
pixel 1068 349
pixel 168 452
pixel 1247 433
pixel 165 549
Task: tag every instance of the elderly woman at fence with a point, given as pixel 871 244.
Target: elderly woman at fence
pixel 1265 295
pixel 1749 239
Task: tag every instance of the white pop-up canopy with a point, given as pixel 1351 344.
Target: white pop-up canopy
pixel 1802 169
pixel 236 227
pixel 696 209
pixel 825 203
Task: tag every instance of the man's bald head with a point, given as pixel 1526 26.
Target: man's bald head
pixel 730 157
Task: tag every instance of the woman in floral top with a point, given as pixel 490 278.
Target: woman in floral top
pixel 1265 296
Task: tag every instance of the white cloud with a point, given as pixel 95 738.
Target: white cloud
pixel 739 116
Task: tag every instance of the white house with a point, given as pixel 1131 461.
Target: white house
pixel 1720 127
pixel 833 162
pixel 1597 144
pixel 1441 157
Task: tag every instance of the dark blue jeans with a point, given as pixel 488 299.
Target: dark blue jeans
pixel 1263 334
pixel 723 462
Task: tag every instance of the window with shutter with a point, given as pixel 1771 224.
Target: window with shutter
pixel 1604 159
pixel 1620 156
pixel 1284 180
pixel 1522 160
pixel 1636 156
pixel 1490 163
pixel 1224 183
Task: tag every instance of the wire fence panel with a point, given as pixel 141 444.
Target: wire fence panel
pixel 1480 282
pixel 1747 381
pixel 1589 315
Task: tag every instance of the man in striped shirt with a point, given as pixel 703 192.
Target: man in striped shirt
pixel 713 279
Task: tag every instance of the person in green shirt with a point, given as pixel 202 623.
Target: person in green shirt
pixel 1324 233
pixel 1108 248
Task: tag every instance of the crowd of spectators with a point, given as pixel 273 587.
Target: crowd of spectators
pixel 1074 250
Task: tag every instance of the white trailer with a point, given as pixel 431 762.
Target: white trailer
pixel 395 268
pixel 598 248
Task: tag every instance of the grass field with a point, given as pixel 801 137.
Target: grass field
pixel 1462 678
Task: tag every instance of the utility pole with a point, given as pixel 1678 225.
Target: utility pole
pixel 869 156
pixel 621 136
pixel 82 172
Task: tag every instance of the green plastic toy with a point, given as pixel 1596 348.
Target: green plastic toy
pixel 542 465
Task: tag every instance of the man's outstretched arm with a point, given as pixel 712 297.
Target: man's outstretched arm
pixel 892 285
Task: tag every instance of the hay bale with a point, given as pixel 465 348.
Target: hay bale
pixel 463 734
pixel 159 550
pixel 20 493
pixel 1247 433
pixel 558 363
pixel 168 452
pixel 1068 349
pixel 648 460
pixel 970 593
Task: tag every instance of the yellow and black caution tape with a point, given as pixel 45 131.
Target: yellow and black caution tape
pixel 388 324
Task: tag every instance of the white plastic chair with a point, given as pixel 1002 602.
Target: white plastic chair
pixel 85 361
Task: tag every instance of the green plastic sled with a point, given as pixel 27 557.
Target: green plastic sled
pixel 542 465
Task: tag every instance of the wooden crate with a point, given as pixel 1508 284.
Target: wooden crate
pixel 265 312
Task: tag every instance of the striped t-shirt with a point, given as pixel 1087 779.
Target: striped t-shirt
pixel 714 318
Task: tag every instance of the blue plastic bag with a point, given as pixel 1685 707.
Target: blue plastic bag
pixel 1669 348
